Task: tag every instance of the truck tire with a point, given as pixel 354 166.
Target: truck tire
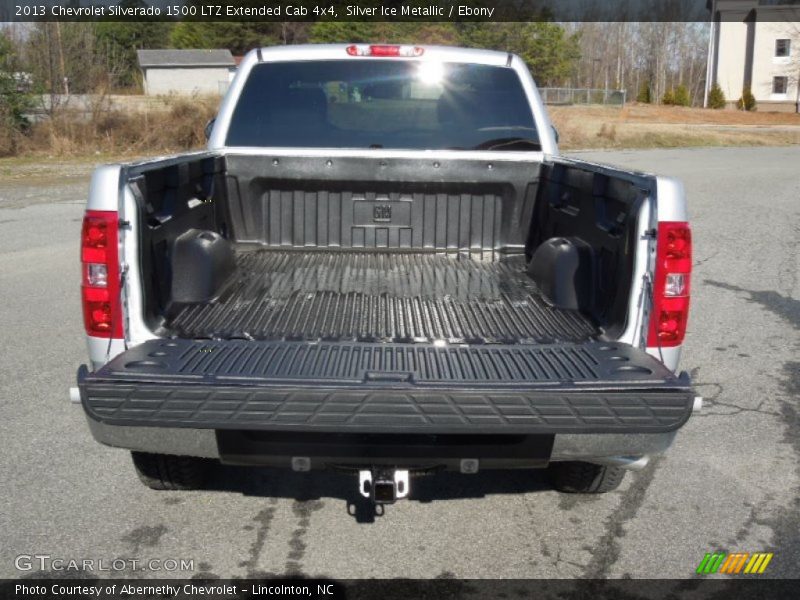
pixel 585 478
pixel 168 472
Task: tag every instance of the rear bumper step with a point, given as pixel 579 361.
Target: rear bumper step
pixel 592 387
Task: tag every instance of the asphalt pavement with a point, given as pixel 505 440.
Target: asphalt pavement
pixel 730 482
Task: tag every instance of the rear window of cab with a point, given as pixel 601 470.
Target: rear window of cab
pixel 383 104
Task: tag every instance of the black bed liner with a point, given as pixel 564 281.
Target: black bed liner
pixel 374 296
pixel 593 387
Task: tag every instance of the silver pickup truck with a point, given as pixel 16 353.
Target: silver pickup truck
pixel 381 264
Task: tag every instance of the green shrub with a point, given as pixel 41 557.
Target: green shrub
pixel 681 96
pixel 716 97
pixel 14 100
pixel 13 122
pixel 668 98
pixel 644 93
pixel 747 101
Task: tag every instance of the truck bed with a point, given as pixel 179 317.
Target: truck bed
pixel 380 297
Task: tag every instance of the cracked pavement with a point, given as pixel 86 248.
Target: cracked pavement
pixel 730 482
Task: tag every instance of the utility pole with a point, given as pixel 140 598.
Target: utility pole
pixel 620 31
pixel 64 78
pixel 710 56
pixel 50 68
pixel 797 100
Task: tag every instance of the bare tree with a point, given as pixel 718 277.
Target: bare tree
pixel 622 55
pixel 64 58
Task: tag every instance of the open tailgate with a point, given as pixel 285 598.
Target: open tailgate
pixel 595 387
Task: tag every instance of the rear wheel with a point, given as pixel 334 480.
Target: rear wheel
pixel 585 478
pixel 168 472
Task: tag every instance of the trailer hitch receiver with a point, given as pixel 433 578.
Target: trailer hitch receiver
pixel 383 486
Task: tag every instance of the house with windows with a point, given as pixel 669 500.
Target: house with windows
pixel 756 44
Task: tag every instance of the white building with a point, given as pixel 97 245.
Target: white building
pixel 756 43
pixel 186 71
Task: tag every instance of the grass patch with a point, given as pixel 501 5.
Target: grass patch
pixel 105 131
pixel 646 126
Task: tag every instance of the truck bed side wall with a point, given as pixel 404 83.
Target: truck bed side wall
pixel 601 210
pixel 172 199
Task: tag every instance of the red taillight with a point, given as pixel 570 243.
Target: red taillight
pixel 100 285
pixel 678 241
pixel 671 285
pixel 384 50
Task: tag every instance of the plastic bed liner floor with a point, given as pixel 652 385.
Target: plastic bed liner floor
pixel 380 297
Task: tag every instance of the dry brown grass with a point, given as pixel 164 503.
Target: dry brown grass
pixel 647 126
pixel 177 127
pixel 168 125
pixel 648 113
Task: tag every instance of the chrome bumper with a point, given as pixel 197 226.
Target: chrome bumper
pixel 629 451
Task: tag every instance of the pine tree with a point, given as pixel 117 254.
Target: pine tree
pixel 716 97
pixel 681 96
pixel 644 93
pixel 14 100
pixel 747 101
pixel 118 41
pixel 236 37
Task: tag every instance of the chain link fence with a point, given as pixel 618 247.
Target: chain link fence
pixel 566 96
